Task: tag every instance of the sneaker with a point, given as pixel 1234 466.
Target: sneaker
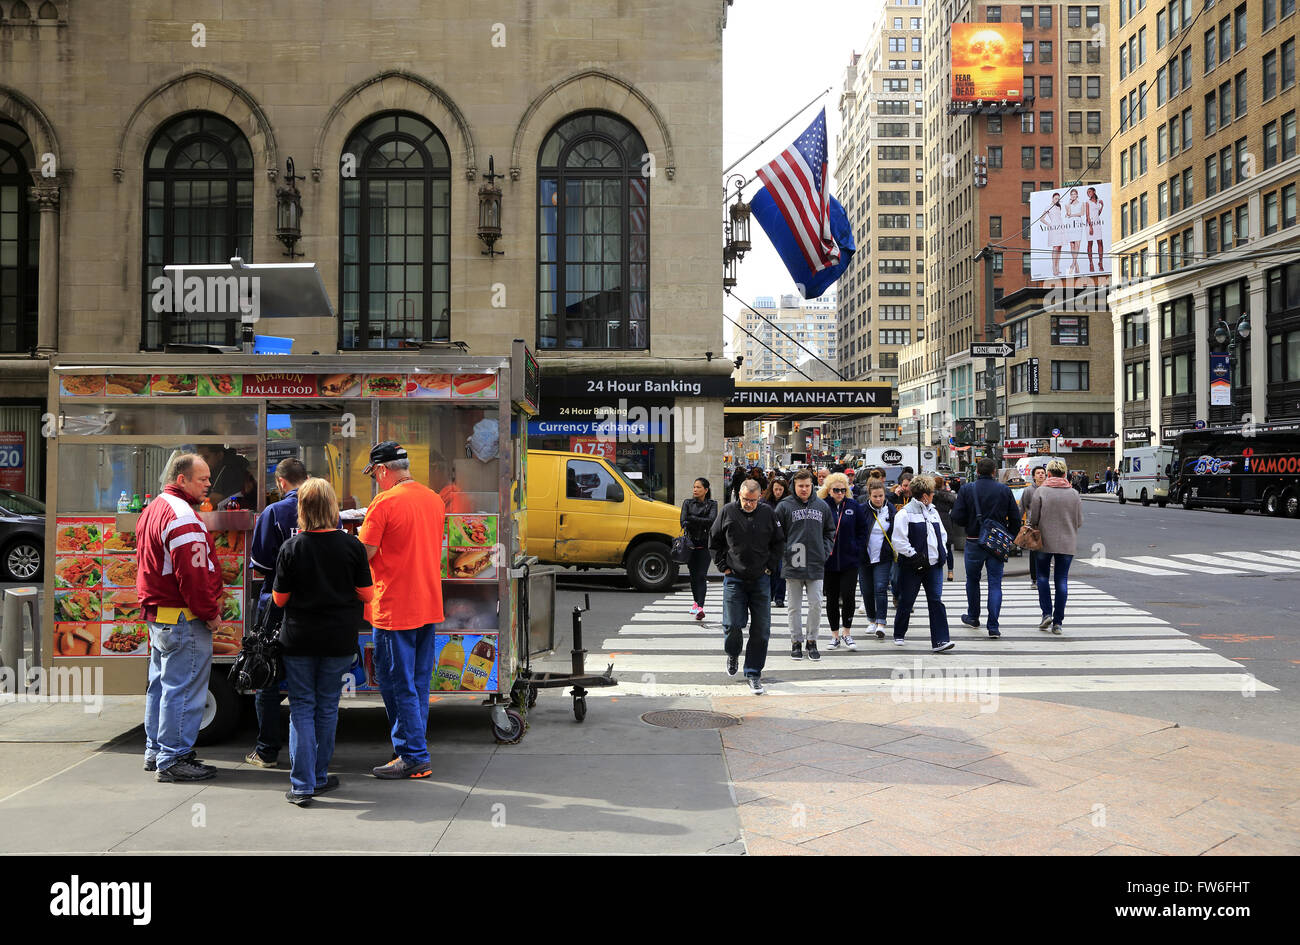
pixel 183 771
pixel 848 642
pixel 812 651
pixel 944 647
pixel 779 603
pixel 899 641
pixel 880 631
pixel 301 800
pixel 756 685
pixel 995 634
pixel 733 665
pixel 699 614
pixel 970 621
pixel 253 758
pixel 331 783
pixel 950 575
pixel 151 764
pixel 836 643
pixel 796 651
pixel 1056 628
pixel 400 768
pixel 1046 622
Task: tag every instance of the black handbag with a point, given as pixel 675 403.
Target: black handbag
pixel 681 550
pixel 995 539
pixel 260 663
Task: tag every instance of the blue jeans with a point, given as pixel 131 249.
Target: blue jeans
pixel 315 683
pixel 1045 561
pixel 747 602
pixel 977 558
pixel 778 585
pixel 909 584
pixel 699 569
pixel 873 579
pixel 267 704
pixel 404 664
pixel 180 659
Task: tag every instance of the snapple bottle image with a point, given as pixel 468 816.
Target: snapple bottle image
pixel 479 666
pixel 451 663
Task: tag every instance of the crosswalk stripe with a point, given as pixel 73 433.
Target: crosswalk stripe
pixel 779 662
pixel 1286 553
pixel 1005 685
pixel 1194 568
pixel 1127 566
pixel 711 628
pixel 709 644
pixel 1246 565
pixel 1267 558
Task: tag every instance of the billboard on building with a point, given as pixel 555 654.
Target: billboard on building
pixel 1069 232
pixel 987 62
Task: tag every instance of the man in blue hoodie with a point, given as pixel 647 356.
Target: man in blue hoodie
pixel 983 500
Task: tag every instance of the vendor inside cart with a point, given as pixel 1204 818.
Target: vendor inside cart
pixel 229 469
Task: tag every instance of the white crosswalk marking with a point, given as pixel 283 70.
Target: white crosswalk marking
pixel 1188 565
pixel 1108 646
pixel 1195 568
pixel 1244 565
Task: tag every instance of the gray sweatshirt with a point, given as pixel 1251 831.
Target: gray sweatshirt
pixel 809 532
pixel 1058 513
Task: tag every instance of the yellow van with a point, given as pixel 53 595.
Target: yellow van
pixel 584 512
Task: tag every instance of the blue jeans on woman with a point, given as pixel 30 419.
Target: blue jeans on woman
pixel 873 580
pixel 1046 562
pixel 698 566
pixel 315 684
pixel 778 585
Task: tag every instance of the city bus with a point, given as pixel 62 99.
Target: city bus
pixel 1239 467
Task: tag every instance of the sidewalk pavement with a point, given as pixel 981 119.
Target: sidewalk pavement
pixel 870 775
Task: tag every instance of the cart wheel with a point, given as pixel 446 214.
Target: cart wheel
pixel 514 730
pixel 579 707
pixel 532 696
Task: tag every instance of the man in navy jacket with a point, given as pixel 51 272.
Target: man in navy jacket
pixel 996 504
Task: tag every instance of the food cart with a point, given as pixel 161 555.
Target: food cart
pixel 116 421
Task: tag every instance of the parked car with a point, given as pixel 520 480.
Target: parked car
pixel 22 536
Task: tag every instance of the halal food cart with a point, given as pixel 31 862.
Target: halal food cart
pixel 118 420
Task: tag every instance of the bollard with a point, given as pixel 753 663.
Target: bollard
pixel 20 601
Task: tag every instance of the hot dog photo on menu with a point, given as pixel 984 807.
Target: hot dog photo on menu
pixel 474 387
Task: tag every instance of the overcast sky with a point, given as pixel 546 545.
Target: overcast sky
pixel 777 55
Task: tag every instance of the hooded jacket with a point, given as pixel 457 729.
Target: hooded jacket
pixel 808 528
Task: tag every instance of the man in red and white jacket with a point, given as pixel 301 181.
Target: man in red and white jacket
pixel 180 594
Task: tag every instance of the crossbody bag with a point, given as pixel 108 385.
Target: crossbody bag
pixel 995 539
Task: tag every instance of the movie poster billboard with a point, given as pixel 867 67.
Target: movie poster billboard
pixel 987 62
pixel 1069 232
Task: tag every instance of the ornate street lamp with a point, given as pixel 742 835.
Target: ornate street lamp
pixel 489 211
pixel 739 220
pixel 288 211
pixel 1230 336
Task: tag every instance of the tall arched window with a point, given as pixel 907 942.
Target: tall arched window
pixel 593 226
pixel 395 277
pixel 19 242
pixel 198 188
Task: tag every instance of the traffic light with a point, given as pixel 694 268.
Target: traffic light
pixel 965 432
pixel 992 431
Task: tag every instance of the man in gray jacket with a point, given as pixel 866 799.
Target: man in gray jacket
pixel 809 535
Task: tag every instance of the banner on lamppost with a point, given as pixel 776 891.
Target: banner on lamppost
pixel 1220 380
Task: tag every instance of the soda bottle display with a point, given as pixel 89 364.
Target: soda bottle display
pixel 451 663
pixel 136 504
pixel 478 668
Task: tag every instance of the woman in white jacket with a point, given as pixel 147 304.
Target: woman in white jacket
pixel 922 547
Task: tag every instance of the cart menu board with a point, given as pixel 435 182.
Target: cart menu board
pixel 469 552
pixel 456 387
pixel 96 607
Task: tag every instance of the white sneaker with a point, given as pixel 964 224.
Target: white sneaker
pixel 848 641
pixel 944 647
pixel 880 631
pixel 899 641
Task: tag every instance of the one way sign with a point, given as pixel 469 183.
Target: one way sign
pixel 997 349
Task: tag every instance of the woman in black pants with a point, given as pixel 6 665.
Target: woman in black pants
pixel 841 575
pixel 777 490
pixel 698 513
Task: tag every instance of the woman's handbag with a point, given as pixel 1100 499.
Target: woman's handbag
pixel 260 663
pixel 682 548
pixel 1030 538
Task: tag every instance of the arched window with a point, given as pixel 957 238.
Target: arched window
pixel 593 226
pixel 19 242
pixel 198 191
pixel 395 277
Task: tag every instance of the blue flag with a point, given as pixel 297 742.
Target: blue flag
pixel 811 284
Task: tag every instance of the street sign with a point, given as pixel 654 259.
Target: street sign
pixel 996 349
pixel 1033 376
pixel 1200 424
pixel 1056 431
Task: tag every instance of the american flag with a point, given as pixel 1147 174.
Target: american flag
pixel 797 182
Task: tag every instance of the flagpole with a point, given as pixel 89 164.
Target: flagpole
pixel 776 131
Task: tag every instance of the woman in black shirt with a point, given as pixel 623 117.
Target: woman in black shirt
pixel 322 577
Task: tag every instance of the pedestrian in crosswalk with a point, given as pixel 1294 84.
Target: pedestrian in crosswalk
pixel 746 542
pixel 842 564
pixel 808 528
pixel 1040 476
pixel 877 558
pixel 698 513
pixel 921 545
pixel 1057 511
pixel 778 487
pixel 984 500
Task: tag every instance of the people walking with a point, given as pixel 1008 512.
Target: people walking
pixel 179 588
pixel 877 560
pixel 920 543
pixel 777 489
pixel 984 500
pixel 808 528
pixel 698 514
pixel 1110 480
pixel 322 579
pixel 737 477
pixel 1057 512
pixel 402 532
pixel 747 541
pixel 847 541
pixel 1039 477
pixel 944 500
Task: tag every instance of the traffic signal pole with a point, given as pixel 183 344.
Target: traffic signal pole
pixel 990 364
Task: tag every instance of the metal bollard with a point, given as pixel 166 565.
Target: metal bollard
pixel 20 601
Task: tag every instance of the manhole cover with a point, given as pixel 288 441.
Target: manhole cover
pixel 690 718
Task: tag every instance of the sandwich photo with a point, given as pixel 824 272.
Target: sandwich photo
pixel 125 605
pixel 385 385
pixel 231 606
pixel 220 385
pixel 76 639
pixel 79 606
pixel 120 571
pixel 122 384
pixel 226 639
pixel 471 530
pixel 77 572
pixel 468 564
pixel 339 385
pixel 475 385
pixel 428 385
pixel 130 639
pixel 79 536
pixel 173 384
pixel 83 385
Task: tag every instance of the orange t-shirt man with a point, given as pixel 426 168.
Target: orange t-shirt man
pixel 406 524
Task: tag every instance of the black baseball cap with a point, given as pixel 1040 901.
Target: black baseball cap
pixel 384 452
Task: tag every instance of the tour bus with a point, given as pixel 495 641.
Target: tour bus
pixel 1144 474
pixel 1239 467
